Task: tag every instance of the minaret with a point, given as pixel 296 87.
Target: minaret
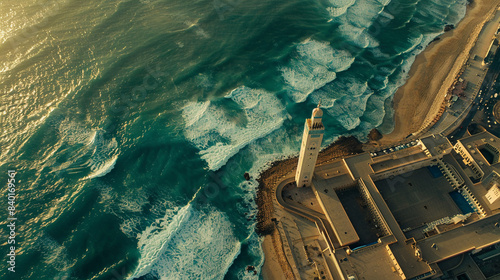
pixel 311 144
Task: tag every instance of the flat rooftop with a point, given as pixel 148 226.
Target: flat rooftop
pixel 406 259
pixel 479 234
pixel 481 139
pixel 372 263
pixel 334 211
pixel 398 162
pixel 400 153
pixel 437 145
pixel 475 143
pixel 333 169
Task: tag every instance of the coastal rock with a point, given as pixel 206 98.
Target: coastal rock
pixel 449 27
pixel 434 40
pixel 374 135
pixel 247 176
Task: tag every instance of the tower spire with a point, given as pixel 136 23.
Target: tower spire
pixel 309 150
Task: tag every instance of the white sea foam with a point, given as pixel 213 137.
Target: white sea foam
pixel 323 54
pixel 255 249
pixel 93 138
pixel 325 97
pixel 386 15
pixel 303 83
pixel 89 144
pixel 72 133
pixel 385 71
pixel 155 238
pixel 54 254
pixel 344 99
pixel 102 168
pixel 379 82
pixel 193 245
pixel 335 12
pixel 400 77
pixel 103 157
pixel 204 81
pixel 376 112
pixel 355 35
pixel 218 137
pixel 363 13
pixel 195 111
pixel 349 86
pixel 459 9
pixel 355 18
pixel 384 2
pixel 426 39
pixel 341 61
pixel 316 66
pixel 447 12
pixel 105 194
pixel 342 3
pixel 349 109
pixel 263 152
pixel 132 204
pixel 413 43
pixel 339 7
pixel 437 11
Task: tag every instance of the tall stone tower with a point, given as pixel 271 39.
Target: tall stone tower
pixel 311 144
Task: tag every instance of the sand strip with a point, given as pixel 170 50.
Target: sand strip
pixel 419 101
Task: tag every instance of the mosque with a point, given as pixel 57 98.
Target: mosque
pixel 426 209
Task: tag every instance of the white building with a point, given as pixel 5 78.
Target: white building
pixel 493 195
pixel 311 144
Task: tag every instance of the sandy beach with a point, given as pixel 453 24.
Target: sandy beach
pixel 417 103
pixel 271 268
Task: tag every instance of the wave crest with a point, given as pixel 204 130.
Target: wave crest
pixel 193 245
pixel 315 67
pixel 218 136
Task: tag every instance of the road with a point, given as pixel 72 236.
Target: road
pixel 478 113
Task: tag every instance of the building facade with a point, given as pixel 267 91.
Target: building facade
pixel 309 150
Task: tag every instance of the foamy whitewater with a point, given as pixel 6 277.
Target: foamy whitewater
pixel 131 123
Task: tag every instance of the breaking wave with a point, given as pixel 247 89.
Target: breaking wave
pixel 316 65
pixel 102 168
pixel 192 245
pixel 88 149
pixel 220 131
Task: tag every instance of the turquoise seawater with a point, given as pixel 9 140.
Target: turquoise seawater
pixel 130 123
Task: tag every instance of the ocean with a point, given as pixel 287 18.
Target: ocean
pixel 130 123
